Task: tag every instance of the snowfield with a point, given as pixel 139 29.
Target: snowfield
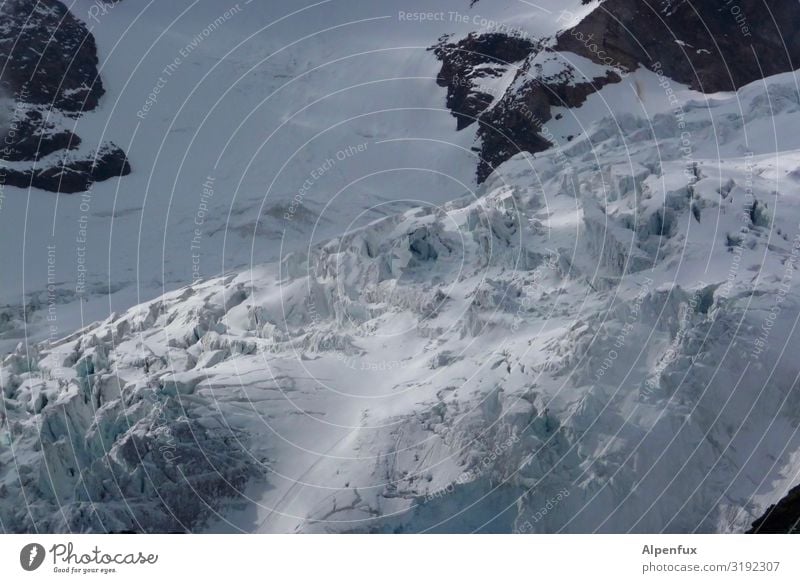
pixel 599 338
pixel 198 93
pixel 616 337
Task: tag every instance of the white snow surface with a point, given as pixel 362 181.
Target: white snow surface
pixel 598 339
pixel 256 96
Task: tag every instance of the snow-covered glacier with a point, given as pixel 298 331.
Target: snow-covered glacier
pixel 201 95
pixel 598 337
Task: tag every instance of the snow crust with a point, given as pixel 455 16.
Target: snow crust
pixel 598 339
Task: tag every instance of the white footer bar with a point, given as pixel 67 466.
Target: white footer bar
pixel 384 558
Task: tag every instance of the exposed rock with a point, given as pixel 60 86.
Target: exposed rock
pixel 511 119
pixel 780 518
pixel 49 57
pixel 31 138
pixel 70 176
pixel 462 69
pixel 710 46
pixel 517 123
pixel 50 69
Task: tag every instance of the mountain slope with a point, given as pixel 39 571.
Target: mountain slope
pixel 226 114
pixel 50 78
pixel 564 352
pixel 597 338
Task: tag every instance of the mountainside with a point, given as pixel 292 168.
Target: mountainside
pixel 510 83
pixel 596 338
pixel 50 78
pixel 200 97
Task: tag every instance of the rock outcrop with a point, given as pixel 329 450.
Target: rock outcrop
pixel 710 47
pixel 50 75
pixel 782 517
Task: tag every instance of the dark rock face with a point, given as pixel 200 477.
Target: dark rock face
pixel 50 57
pixel 780 518
pixel 71 176
pixel 462 70
pixel 517 123
pixel 710 46
pixel 32 138
pixel 511 122
pixel 49 66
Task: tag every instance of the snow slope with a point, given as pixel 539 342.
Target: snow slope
pixel 598 339
pixel 230 115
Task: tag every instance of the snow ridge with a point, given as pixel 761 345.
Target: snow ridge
pixel 595 341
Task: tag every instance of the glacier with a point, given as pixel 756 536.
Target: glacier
pixel 596 338
pixel 616 338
